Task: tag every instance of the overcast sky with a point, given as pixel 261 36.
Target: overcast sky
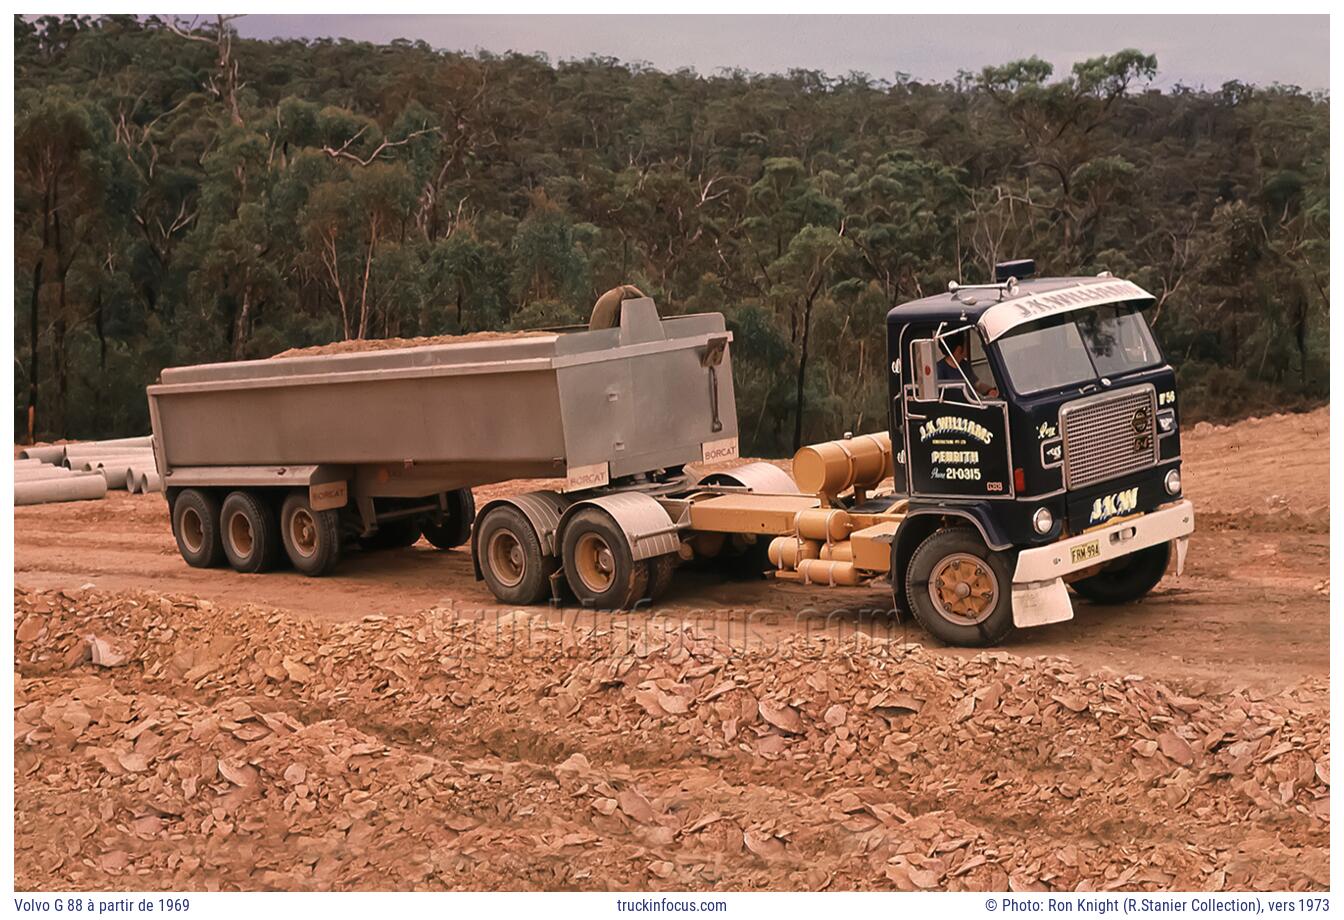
pixel 1195 50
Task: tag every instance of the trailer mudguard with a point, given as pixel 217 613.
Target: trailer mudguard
pixel 755 477
pixel 645 524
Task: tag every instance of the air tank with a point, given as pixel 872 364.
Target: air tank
pixel 834 466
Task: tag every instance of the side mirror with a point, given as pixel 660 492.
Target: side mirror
pixel 925 370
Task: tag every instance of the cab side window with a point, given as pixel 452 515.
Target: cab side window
pixel 979 360
pixel 961 358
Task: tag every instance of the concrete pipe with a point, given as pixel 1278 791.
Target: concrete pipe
pixel 137 472
pixel 143 441
pixel 115 475
pixel 94 464
pixel 45 471
pixel 150 482
pixel 81 487
pixel 98 462
pixel 789 552
pixel 52 454
pixel 78 453
pixel 828 525
pixel 818 572
pixel 29 464
pixel 831 467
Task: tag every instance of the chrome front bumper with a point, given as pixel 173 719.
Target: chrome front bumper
pixel 1039 595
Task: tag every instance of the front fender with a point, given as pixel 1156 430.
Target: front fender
pixel 921 520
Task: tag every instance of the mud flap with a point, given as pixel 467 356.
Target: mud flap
pixel 1041 602
pixel 1182 546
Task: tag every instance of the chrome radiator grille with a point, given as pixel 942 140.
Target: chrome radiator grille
pixel 1109 435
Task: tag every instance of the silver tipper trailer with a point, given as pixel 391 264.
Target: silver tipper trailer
pixel 310 455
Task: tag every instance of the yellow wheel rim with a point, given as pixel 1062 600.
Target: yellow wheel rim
pixel 964 589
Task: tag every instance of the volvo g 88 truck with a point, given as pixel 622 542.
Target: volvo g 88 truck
pixel 1036 439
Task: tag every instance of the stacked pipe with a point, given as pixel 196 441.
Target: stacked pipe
pixel 37 485
pixel 84 470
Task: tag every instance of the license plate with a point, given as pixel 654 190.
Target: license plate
pixel 1086 551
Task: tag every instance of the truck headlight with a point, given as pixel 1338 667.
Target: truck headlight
pixel 1173 482
pixel 1042 520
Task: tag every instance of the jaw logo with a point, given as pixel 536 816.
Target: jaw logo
pixel 1109 506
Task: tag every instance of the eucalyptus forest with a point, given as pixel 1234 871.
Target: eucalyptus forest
pixel 185 195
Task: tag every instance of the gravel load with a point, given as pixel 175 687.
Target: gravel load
pixel 354 345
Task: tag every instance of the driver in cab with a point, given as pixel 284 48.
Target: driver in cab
pixel 954 364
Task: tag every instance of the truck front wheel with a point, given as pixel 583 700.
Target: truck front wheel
pixel 959 589
pixel 196 527
pixel 312 538
pixel 1127 578
pixel 511 559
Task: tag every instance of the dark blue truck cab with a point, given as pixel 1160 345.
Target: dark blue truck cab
pixel 1036 432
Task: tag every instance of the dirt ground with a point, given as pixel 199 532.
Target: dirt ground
pixel 379 728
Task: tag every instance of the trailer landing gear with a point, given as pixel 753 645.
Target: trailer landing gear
pixel 455 528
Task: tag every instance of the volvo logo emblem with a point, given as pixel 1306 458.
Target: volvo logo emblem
pixel 1140 420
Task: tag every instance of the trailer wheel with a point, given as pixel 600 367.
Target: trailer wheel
pixel 1128 578
pixel 959 589
pixel 599 566
pixel 249 532
pixel 196 527
pixel 456 527
pixel 511 558
pixel 312 538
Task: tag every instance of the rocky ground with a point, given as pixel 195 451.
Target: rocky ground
pixel 390 728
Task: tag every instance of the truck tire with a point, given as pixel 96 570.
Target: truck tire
pixel 1126 579
pixel 312 538
pixel 249 532
pixel 196 527
pixel 397 534
pixel 511 558
pixel 959 589
pixel 598 563
pixel 661 570
pixel 456 527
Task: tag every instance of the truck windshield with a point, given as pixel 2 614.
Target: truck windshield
pixel 1078 348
